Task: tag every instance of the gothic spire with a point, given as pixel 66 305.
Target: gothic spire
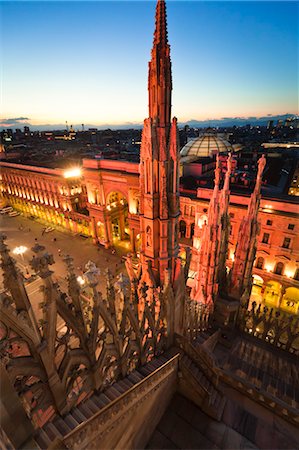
pixel 159 78
pixel 159 167
pixel 160 35
pixel 241 271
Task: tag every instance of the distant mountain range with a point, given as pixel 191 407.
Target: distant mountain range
pixel 238 121
pixel 20 122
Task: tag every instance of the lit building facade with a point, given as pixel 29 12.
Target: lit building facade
pixel 276 267
pixel 55 196
pixel 110 192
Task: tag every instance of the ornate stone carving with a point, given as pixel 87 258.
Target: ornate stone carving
pixel 241 272
pixel 273 327
pixel 55 368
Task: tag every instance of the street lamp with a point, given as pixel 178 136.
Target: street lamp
pixel 74 172
pixel 20 251
pixel 80 280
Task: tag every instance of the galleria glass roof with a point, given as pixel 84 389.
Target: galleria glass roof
pixel 206 145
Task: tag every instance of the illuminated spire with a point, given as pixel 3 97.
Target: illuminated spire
pixel 159 167
pixel 160 36
pixel 241 271
pixel 159 78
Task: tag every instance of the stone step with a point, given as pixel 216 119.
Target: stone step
pixel 195 370
pixel 71 421
pixel 52 431
pixel 186 361
pixel 85 410
pixel 213 396
pixel 145 370
pixel 42 439
pixel 155 364
pixel 103 398
pixel 119 388
pixel 61 426
pixel 91 405
pixel 125 383
pixel 100 404
pixel 135 377
pixel 112 393
pixel 197 373
pixel 78 416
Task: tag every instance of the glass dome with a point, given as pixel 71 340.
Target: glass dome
pixel 206 144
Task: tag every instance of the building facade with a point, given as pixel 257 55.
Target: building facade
pixel 109 190
pixel 104 376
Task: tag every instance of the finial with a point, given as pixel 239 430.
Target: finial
pixel 228 172
pixel 261 165
pixel 217 171
pixel 40 263
pixel 160 36
pixel 92 274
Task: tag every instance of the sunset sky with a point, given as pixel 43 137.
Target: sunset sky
pixel 86 62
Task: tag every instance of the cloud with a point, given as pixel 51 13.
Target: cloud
pixel 14 122
pixel 15 119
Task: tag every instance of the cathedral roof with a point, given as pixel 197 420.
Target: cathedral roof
pixel 207 144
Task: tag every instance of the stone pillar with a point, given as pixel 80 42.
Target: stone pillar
pixel 107 230
pixel 188 230
pixel 94 233
pixel 67 223
pixel 75 226
pixel 283 291
pixel 121 224
pixel 133 240
pixel 13 419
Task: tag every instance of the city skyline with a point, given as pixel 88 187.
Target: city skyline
pixel 83 62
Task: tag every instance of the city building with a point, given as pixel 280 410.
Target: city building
pixel 104 204
pixel 151 364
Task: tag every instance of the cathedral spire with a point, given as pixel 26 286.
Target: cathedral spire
pixel 160 35
pixel 241 271
pixel 159 166
pixel 159 78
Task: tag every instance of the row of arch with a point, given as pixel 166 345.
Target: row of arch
pixel 279 268
pixel 34 182
pixel 272 293
pixel 183 229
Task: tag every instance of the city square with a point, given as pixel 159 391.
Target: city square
pixel 149 287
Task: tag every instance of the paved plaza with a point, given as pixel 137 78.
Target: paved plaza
pixel 21 231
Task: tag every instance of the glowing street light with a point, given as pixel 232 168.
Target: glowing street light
pixel 20 250
pixel 74 172
pixel 80 280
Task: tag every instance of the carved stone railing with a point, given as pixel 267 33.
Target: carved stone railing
pixel 92 433
pixel 273 327
pixel 97 343
pixel 196 318
pixel 200 357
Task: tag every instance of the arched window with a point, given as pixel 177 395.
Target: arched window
pixel 279 268
pixel 260 263
pixel 148 236
pixel 182 228
pixel 192 230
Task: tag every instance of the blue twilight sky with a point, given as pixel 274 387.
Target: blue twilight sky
pixel 86 62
